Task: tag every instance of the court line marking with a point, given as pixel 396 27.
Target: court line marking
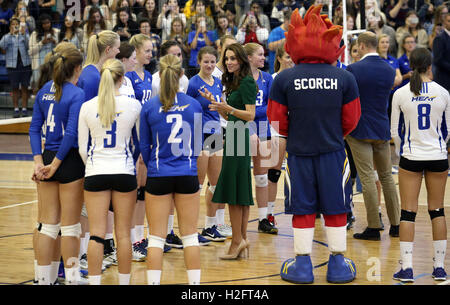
pixel 17 204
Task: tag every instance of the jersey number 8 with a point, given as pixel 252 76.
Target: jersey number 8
pixel 423 111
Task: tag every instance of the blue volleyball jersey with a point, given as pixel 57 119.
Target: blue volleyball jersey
pixel 314 98
pixel 264 83
pixel 60 119
pixel 142 87
pixel 211 119
pixel 89 81
pixel 171 141
pixel 403 64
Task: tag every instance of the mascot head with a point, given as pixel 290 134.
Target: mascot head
pixel 313 39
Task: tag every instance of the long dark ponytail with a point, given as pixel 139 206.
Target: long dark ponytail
pixel 420 61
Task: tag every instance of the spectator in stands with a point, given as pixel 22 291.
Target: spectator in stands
pixel 169 11
pixel 125 26
pixel 378 26
pixel 150 12
pixel 407 45
pixel 120 4
pixel 5 15
pixel 222 29
pixel 100 4
pixel 252 31
pixel 95 24
pixel 71 32
pixel 277 38
pixel 256 10
pixel 441 58
pixel 280 6
pixel 396 13
pixel 437 26
pixel 413 27
pixel 25 19
pixel 42 41
pixel 190 10
pixel 354 54
pixel 231 15
pixel 18 62
pixel 138 7
pixel 200 10
pixel 371 7
pixel 197 39
pixel 45 7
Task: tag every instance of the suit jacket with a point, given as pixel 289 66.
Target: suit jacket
pixel 375 79
pixel 441 59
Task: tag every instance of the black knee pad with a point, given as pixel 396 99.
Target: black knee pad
pixel 408 216
pixel 141 193
pixel 98 239
pixel 273 175
pixel 436 213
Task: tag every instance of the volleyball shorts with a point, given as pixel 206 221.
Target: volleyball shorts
pixel 420 166
pixel 116 182
pixel 172 184
pixel 71 168
pixel 319 183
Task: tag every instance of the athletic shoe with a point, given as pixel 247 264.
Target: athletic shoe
pixel 83 262
pixel 24 113
pixel 271 219
pixel 172 240
pixel 224 230
pixel 141 247
pixel 265 226
pixel 404 275
pixel 439 274
pixel 212 234
pixel 110 259
pixel 16 114
pixel 340 269
pixel 138 255
pixel 298 270
pixel 167 248
pixel 203 241
pixel 350 220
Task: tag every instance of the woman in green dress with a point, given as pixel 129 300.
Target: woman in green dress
pixel 235 183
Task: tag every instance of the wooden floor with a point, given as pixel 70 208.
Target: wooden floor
pixel 375 261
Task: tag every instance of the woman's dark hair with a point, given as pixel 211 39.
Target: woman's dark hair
pixel 63 31
pixel 125 50
pixel 154 15
pixel 90 23
pixel 419 60
pixel 229 80
pixel 39 29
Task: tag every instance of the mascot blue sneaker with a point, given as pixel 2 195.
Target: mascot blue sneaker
pixel 298 270
pixel 340 269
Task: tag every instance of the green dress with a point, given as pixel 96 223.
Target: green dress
pixel 235 181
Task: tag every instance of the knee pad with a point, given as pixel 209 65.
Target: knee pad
pixel 273 175
pixel 407 216
pixel 261 180
pixel 156 242
pixel 190 240
pixel 141 193
pixel 50 230
pixel 84 211
pixel 436 213
pixel 212 188
pixel 72 230
pixel 98 239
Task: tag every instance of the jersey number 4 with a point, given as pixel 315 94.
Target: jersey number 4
pixel 51 118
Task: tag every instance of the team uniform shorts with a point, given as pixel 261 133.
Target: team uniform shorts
pixel 71 168
pixel 319 183
pixel 172 184
pixel 123 183
pixel 420 166
pixel 210 142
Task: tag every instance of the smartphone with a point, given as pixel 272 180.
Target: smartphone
pixel 203 24
pixel 49 36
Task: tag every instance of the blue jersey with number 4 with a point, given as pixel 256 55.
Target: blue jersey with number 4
pixel 171 141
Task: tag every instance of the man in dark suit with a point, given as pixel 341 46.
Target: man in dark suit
pixel 441 57
pixel 369 142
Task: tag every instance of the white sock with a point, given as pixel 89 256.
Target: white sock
pixel 124 279
pixel 95 279
pixel 154 277
pixel 83 249
pixel 139 232
pixel 72 275
pixel 406 254
pixel 262 213
pixel 54 272
pixel 210 222
pixel 36 277
pixel 220 216
pixel 303 239
pixel 270 207
pixel 194 276
pixel 44 274
pixel 170 224
pixel 337 238
pixel 133 236
pixel 87 236
pixel 440 247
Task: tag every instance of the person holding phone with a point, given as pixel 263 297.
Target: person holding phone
pixel 197 39
pixel 169 11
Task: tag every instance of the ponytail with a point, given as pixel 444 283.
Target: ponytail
pixel 170 69
pixel 112 72
pixel 64 67
pixel 97 44
pixel 415 82
pixel 420 61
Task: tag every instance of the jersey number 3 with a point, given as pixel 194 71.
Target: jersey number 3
pixel 110 141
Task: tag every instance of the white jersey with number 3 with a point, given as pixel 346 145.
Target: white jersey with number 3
pixel 419 124
pixel 108 150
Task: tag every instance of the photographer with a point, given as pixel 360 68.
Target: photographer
pixel 169 11
pixel 125 26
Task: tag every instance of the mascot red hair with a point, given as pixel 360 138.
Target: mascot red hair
pixel 314 105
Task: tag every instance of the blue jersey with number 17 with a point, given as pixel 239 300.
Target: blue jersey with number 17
pixel 171 141
pixel 142 87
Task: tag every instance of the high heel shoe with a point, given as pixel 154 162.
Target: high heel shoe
pixel 236 253
pixel 245 253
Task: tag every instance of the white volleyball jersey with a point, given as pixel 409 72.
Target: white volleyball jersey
pixel 419 124
pixel 127 88
pixel 156 80
pixel 108 150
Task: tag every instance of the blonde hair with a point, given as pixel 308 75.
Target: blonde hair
pixel 381 36
pixel 112 72
pixel 170 70
pixel 137 41
pixel 251 47
pixel 64 67
pixel 97 44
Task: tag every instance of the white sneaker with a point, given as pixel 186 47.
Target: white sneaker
pixel 224 230
pixel 137 256
pixel 110 259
